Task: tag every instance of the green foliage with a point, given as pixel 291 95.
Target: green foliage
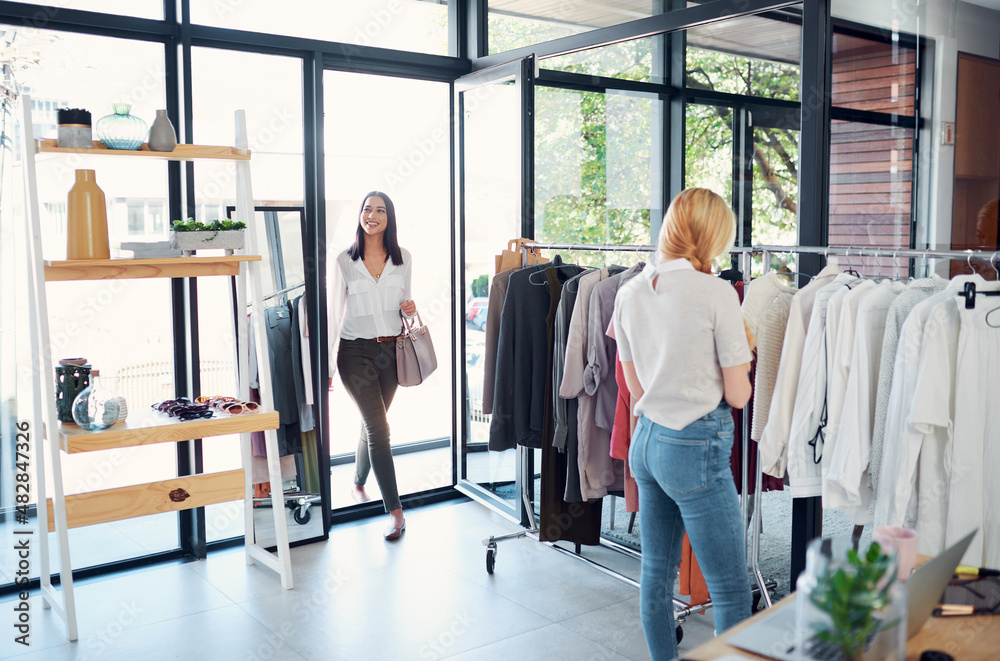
pixel 192 225
pixel 480 285
pixel 852 598
pixel 593 168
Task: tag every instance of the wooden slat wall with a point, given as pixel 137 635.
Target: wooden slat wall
pixel 871 166
pixel 864 73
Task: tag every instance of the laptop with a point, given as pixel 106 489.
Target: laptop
pixel 774 635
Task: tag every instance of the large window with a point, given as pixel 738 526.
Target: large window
pixel 751 55
pixel 408 25
pixel 517 23
pixel 742 121
pixel 872 165
pixel 631 60
pixel 596 178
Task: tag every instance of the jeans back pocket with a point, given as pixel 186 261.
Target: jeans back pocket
pixel 683 461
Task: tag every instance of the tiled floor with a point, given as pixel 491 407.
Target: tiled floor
pixel 357 597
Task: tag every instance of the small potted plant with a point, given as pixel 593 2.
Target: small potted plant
pixel 190 235
pixel 849 605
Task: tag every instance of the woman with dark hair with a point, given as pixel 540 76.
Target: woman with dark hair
pixel 369 290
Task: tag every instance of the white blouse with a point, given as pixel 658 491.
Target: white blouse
pixel 362 306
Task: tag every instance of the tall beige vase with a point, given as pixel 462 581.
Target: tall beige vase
pixel 87 228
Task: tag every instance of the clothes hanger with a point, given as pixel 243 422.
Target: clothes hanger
pixel 992 319
pixel 879 275
pixel 541 272
pixel 732 274
pixel 847 258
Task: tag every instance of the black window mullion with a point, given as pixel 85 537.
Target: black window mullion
pixel 314 244
pixel 191 522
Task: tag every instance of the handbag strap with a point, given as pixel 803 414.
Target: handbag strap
pixel 408 326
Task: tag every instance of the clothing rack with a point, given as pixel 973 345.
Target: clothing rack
pixel 682 609
pixel 814 523
pixel 746 253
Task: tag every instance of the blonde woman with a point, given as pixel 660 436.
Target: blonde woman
pixel 685 355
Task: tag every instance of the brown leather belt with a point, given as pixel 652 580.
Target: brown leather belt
pixel 388 338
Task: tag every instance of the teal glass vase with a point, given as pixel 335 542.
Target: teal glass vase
pixel 121 130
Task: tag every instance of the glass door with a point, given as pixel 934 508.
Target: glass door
pixel 494 177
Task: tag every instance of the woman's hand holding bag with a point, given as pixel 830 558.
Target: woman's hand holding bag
pixel 415 359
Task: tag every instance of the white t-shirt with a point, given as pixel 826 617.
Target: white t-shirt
pixel 679 336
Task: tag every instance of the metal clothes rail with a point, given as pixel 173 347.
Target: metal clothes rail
pixel 746 253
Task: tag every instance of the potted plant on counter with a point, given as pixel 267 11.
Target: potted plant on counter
pixel 190 235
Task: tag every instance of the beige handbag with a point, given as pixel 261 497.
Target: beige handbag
pixel 415 359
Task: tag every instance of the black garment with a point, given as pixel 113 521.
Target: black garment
pixel 576 522
pixel 520 375
pixel 283 368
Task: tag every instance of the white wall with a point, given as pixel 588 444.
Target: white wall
pixel 951 26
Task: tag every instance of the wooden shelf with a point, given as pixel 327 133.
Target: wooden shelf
pixel 156 267
pixel 175 494
pixel 148 427
pixel 180 153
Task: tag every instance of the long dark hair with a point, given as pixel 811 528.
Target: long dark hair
pixel 389 240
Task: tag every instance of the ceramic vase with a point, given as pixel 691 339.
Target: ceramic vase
pixel 87 222
pixel 161 134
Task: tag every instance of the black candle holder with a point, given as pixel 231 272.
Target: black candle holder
pixel 70 381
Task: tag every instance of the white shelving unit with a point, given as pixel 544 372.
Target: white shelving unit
pixel 146 427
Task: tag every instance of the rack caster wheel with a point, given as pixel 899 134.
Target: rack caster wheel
pixel 302 516
pixel 491 557
pixel 680 634
pixel 756 602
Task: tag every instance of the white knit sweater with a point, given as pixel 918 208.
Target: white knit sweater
pixel 765 310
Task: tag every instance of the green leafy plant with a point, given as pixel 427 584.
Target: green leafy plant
pixel 481 285
pixel 192 225
pixel 852 597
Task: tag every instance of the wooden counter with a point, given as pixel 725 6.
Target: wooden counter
pixel 972 638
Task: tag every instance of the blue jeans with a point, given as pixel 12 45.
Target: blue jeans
pixel 685 481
